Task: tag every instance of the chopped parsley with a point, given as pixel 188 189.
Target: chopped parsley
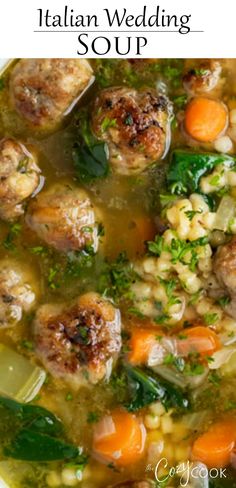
pixel 27 345
pixel 39 250
pixel 101 229
pixel 93 417
pixel 117 277
pixel 166 199
pixel 223 301
pixel 214 378
pixel 178 249
pixel 191 213
pixel 193 369
pixel 52 277
pixel 180 101
pixel 9 241
pixel 69 397
pixel 170 286
pixel 107 123
pixel 129 120
pixel 200 71
pixel 175 361
pixel 157 246
pixel 215 180
pixel 211 318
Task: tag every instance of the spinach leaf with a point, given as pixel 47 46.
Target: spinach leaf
pixel 33 416
pixel 142 387
pixel 90 155
pixel 32 434
pixel 29 445
pixel 186 168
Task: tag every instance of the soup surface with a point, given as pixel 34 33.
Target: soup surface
pixel 118 273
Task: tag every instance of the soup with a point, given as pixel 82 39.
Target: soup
pixel 117 273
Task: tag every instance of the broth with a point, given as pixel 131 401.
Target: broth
pixel 131 214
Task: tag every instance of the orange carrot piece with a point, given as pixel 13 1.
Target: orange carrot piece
pixel 141 343
pixel 214 448
pixel 205 119
pixel 198 339
pixel 119 438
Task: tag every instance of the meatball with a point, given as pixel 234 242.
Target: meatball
pixel 17 295
pixel 204 78
pixel 19 178
pixel 225 270
pixel 80 342
pixel 225 266
pixel 63 216
pixel 44 90
pixel 135 125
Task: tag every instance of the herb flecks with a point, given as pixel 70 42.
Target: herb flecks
pixel 117 277
pixel 13 233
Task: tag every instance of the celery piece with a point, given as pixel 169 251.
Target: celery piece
pixel 20 379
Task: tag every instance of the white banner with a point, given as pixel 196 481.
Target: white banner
pixel 137 28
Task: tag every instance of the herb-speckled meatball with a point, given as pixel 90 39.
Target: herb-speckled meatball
pixel 63 216
pixel 135 125
pixel 17 292
pixel 19 178
pixel 225 270
pixel 80 342
pixel 44 90
pixel 204 78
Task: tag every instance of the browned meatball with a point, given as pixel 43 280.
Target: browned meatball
pixel 79 343
pixel 44 90
pixel 64 217
pixel 225 270
pixel 135 484
pixel 135 125
pixel 19 178
pixel 18 290
pixel 225 265
pixel 203 78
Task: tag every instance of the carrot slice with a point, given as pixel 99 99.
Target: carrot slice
pixel 198 339
pixel 205 119
pixel 119 438
pixel 215 446
pixel 141 343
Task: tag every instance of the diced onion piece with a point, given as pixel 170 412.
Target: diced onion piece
pixel 223 144
pixel 229 366
pixel 170 374
pixel 225 213
pixel 19 379
pixel 219 358
pixel 158 350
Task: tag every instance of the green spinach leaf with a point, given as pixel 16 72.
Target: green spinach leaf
pixel 29 445
pixel 90 155
pixel 142 387
pixel 186 168
pixel 34 434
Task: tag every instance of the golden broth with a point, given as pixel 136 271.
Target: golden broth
pixel 126 204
